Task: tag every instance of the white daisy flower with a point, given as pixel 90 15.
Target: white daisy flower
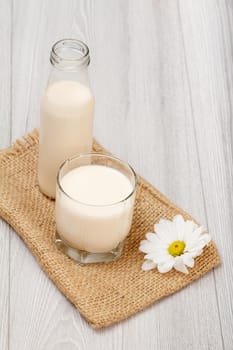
pixel 174 244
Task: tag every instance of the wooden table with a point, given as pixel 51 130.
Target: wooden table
pixel 162 74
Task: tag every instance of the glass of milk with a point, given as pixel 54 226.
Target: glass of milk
pixel 94 207
pixel 67 107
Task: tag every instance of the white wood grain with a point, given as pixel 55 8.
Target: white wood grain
pixel 163 80
pixel 4 286
pixel 213 81
pixel 5 139
pixel 33 297
pixel 49 320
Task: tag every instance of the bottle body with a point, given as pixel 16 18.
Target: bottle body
pixel 66 123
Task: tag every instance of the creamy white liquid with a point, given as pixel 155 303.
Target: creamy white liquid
pixel 103 221
pixel 67 109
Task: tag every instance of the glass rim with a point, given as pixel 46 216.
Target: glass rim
pixel 55 58
pixel 98 154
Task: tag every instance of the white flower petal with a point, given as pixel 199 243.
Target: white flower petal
pixel 190 244
pixel 178 219
pixel 179 265
pixel 205 238
pixel 179 227
pixel 188 260
pixel 165 232
pixel 196 252
pixel 162 220
pixel 153 238
pixel 193 237
pixel 197 233
pixel 166 266
pixel 148 265
pixel 163 260
pixel 157 256
pixel 189 228
pixel 150 236
pixel 199 230
pixel 199 245
pixel 146 247
pixel 197 242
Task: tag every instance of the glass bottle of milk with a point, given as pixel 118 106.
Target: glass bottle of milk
pixel 67 107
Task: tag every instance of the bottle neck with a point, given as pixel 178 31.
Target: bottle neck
pixel 69 55
pixel 69 59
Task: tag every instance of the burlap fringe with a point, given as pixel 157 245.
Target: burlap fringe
pixel 19 146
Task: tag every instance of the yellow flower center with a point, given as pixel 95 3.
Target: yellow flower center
pixel 176 248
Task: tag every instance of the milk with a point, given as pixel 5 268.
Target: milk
pixel 66 128
pixel 99 216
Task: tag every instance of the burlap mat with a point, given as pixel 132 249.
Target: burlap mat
pixel 103 293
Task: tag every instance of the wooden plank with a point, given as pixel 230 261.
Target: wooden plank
pixel 161 73
pixel 209 66
pixel 165 153
pixel 49 320
pixel 5 139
